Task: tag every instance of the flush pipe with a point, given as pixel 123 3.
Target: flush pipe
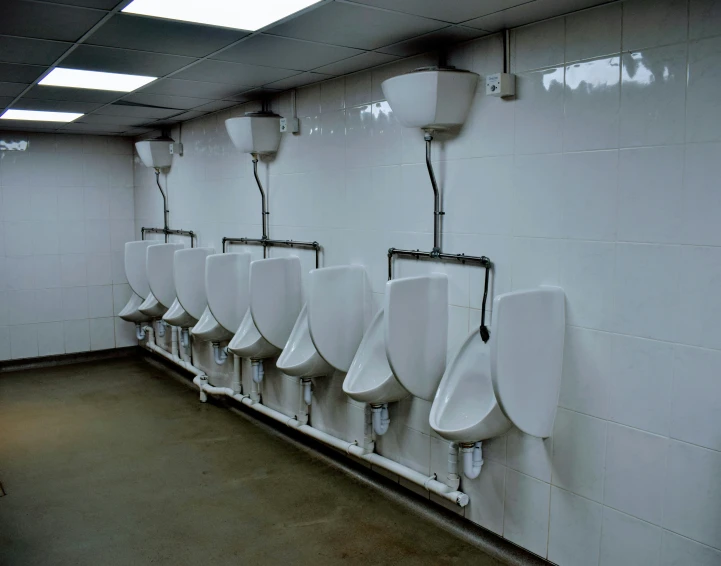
pixel 430 483
pixel 381 419
pixel 139 331
pixel 166 212
pixel 219 354
pixel 263 202
pixel 472 460
pixel 437 212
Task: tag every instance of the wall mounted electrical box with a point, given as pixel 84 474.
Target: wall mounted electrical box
pixel 501 84
pixel 289 125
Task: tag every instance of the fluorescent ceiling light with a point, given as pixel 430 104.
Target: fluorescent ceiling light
pixel 226 13
pixel 95 80
pixel 40 116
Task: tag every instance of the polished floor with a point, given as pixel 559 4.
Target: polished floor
pixel 115 463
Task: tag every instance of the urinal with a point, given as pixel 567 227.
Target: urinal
pixel 159 269
pixel 136 275
pixel 274 305
pixel 177 315
pixel 419 317
pixel 514 379
pixel 189 279
pixel 226 286
pixel 330 326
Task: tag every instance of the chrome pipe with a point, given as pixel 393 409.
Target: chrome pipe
pixel 263 200
pixel 169 232
pixel 166 212
pixel 268 243
pixel 437 212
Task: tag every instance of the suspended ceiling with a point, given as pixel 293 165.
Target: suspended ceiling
pixel 204 69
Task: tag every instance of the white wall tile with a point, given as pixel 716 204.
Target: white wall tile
pixel 539 111
pixel 75 303
pixel 525 518
pixel 539 195
pixel 648 23
pixel 692 502
pixel 626 541
pixel 538 46
pixel 593 33
pixel 102 333
pixel 535 262
pixel 579 452
pixel 679 551
pixel 703 115
pixel 21 307
pixel 487 494
pixel 358 89
pixel 124 333
pixel 700 305
pixel 702 201
pixel 73 270
pixel 99 269
pixel 77 336
pixel 529 455
pixel 100 301
pixel 5 343
pixel 51 341
pixel 575 529
pixel 651 195
pixel 332 95
pixel 645 287
pixel 48 305
pixel 704 18
pixel 23 341
pixel 653 96
pixel 635 470
pixel 641 379
pixel 587 372
pixel 696 397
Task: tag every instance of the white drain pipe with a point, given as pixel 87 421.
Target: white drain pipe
pixel 381 419
pixel 139 332
pixel 430 483
pixel 153 347
pixel 219 354
pixel 307 386
pixel 472 460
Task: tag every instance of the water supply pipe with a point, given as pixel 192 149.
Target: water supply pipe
pixel 472 460
pixel 263 202
pixel 437 212
pixel 381 419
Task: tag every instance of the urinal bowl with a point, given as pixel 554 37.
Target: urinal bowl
pixel 209 329
pixel 177 316
pixel 370 379
pixel 465 408
pixel 152 307
pixel 248 343
pixel 299 357
pixel 131 311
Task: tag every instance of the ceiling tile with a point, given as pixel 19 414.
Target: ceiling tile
pixel 93 128
pixel 134 110
pixel 216 105
pixel 127 121
pixel 93 58
pixel 12 73
pixel 433 41
pixel 163 36
pixel 75 94
pixel 352 25
pixel 137 131
pixel 5 101
pixel 46 21
pixel 357 63
pixel 24 125
pixel 30 51
pixel 196 89
pixel 233 73
pixel 530 12
pixel 298 81
pixel 455 12
pixel 274 51
pixel 11 89
pixel 190 115
pixel 254 94
pixel 56 105
pixel 166 101
pixel 99 4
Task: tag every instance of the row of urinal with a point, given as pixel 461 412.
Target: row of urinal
pixel 487 387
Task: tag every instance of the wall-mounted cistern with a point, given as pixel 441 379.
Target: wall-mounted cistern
pixel 435 99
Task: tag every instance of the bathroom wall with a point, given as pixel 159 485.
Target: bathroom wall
pixel 67 211
pixel 602 176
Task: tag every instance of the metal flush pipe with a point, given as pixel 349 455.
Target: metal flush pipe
pixel 263 201
pixel 437 212
pixel 166 212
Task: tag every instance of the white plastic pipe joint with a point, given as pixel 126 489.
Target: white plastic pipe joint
pixel 381 418
pixel 307 386
pixel 219 354
pixel 139 332
pixel 472 460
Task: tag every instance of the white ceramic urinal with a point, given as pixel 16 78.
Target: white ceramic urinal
pixel 159 267
pixel 189 279
pixel 416 331
pixel 274 305
pixel 226 286
pixel 177 315
pixel 514 379
pixel 330 327
pixel 137 278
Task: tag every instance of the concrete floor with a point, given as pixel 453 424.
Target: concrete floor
pixel 115 462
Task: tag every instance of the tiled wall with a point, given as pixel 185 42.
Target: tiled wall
pixel 67 211
pixel 602 176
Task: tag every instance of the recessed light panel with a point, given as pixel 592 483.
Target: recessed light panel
pixel 95 80
pixel 226 13
pixel 39 116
